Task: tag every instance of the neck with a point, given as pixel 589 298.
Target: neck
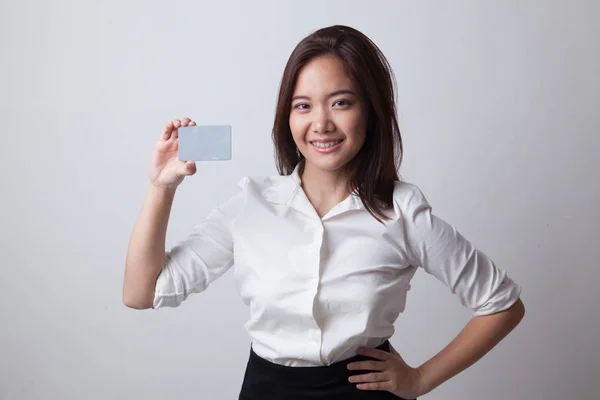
pixel 324 188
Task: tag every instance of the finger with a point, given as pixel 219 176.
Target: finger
pixel 193 123
pixel 387 385
pixel 367 366
pixel 185 121
pixel 371 377
pixel 176 125
pixel 166 133
pixel 374 353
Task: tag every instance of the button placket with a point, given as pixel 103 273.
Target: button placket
pixel 315 334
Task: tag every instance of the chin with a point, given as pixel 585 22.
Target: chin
pixel 325 165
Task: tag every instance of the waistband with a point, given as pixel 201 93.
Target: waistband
pixel 265 380
pixel 310 375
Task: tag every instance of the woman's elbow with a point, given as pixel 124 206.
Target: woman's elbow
pixel 517 311
pixel 137 302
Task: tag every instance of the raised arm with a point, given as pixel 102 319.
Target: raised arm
pixel 146 251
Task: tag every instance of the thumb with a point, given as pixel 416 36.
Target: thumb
pixel 397 355
pixel 393 351
pixel 187 168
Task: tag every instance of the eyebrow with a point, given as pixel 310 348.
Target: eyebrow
pixel 336 93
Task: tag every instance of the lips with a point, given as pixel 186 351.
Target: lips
pixel 326 146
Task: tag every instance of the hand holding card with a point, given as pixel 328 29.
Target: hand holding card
pixel 166 171
pixel 181 144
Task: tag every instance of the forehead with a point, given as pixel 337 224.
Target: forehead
pixel 322 75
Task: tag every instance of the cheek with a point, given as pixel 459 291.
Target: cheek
pixel 356 128
pixel 298 129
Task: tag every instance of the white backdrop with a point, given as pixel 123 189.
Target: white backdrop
pixel 498 104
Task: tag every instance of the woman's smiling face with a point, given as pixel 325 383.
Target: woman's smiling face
pixel 328 118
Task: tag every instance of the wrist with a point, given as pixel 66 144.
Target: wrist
pixel 424 386
pixel 161 191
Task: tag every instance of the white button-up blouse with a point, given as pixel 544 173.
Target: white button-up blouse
pixel 319 288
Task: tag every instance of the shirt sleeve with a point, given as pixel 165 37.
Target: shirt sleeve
pixel 443 252
pixel 202 257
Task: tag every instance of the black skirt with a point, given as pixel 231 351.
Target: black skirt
pixel 265 380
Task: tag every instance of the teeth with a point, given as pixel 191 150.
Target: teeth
pixel 325 145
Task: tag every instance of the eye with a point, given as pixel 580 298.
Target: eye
pixel 342 103
pixel 302 106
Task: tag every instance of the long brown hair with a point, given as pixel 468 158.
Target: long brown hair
pixel 374 169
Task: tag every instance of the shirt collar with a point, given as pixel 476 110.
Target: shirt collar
pixel 288 191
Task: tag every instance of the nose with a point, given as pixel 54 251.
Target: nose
pixel 322 122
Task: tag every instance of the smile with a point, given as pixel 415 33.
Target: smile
pixel 327 147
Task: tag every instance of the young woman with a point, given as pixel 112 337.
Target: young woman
pixel 324 253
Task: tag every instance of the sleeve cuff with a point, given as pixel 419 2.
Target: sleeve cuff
pixel 507 294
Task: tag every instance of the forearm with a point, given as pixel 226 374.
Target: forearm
pixel 146 251
pixel 478 337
